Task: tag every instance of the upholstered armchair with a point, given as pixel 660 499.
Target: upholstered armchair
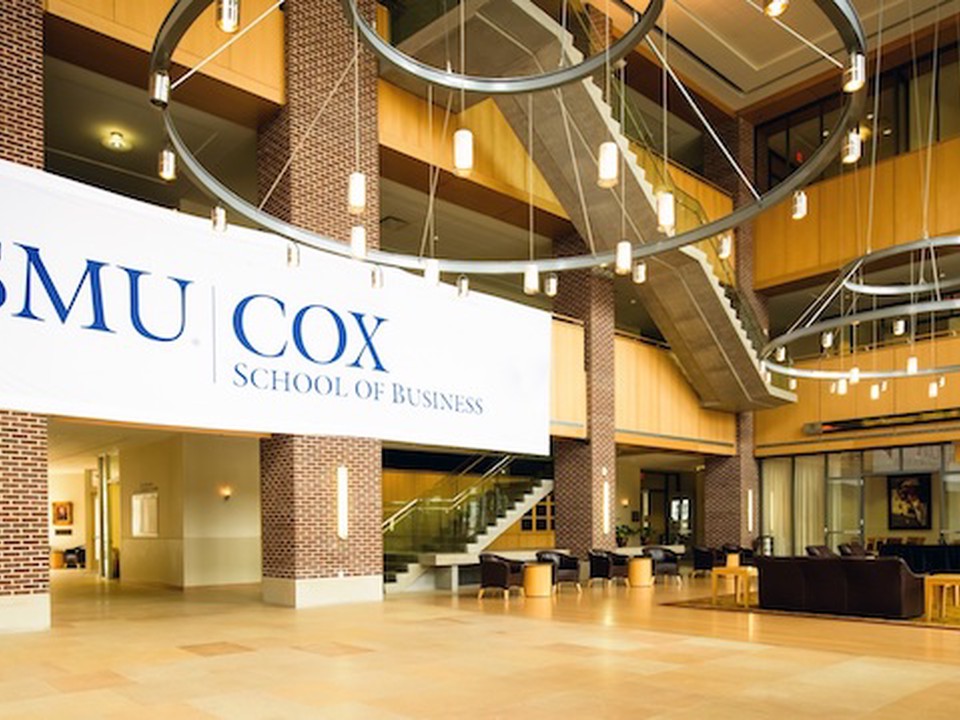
pixel 566 568
pixel 619 566
pixel 853 549
pixel 606 566
pixel 665 562
pixel 499 573
pixel 705 559
pixel 820 551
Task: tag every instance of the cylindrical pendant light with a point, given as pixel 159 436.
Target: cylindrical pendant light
pixel 833 388
pixel 463 286
pixel 826 340
pixel 800 205
pixel 884 386
pixel 624 262
pixel 775 8
pixel 726 246
pixel 293 255
pixel 854 375
pixel 852 147
pixel 855 75
pixel 842 386
pixel 431 272
pixel 463 152
pixel 942 381
pixel 531 279
pixel 376 277
pixel 551 284
pixel 666 211
pixel 358 242
pixel 913 365
pixel 167 165
pixel 639 272
pixel 218 216
pixel 160 88
pixel 228 15
pixel 933 389
pixel 874 392
pixel 781 354
pixel 793 383
pixel 608 165
pixel 357 193
pixel 899 326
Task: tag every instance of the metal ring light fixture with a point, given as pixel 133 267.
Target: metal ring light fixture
pixel 888 313
pixel 184 13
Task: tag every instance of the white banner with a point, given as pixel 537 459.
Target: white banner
pixel 118 310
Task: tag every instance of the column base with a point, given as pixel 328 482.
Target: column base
pixel 24 613
pixel 317 592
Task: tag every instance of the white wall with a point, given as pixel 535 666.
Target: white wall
pixel 221 537
pixel 202 538
pixel 68 487
pixel 157 467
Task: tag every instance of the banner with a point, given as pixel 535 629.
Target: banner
pixel 119 310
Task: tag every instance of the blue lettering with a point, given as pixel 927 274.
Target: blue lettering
pixel 368 342
pixel 240 332
pixel 35 266
pixel 3 290
pixel 135 317
pixel 241 380
pixel 298 334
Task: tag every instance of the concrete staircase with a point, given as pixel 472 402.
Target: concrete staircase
pixel 683 294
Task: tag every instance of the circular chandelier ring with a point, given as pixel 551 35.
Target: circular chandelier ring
pixel 642 25
pixel 895 290
pixel 184 13
pixel 815 329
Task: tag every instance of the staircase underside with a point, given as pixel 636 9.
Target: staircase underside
pixel 682 294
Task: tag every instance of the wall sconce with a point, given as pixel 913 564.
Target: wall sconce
pixel 625 502
pixel 343 502
pixel 226 492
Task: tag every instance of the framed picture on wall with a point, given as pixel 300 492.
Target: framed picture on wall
pixel 63 513
pixel 908 502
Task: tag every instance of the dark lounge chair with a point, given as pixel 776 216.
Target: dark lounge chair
pixel 566 568
pixel 607 566
pixel 820 551
pixel 499 573
pixel 665 562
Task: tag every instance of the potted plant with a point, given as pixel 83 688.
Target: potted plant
pixel 623 533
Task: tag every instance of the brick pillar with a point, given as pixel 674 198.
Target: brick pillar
pixel 582 467
pixel 728 481
pixel 24 540
pixel 727 484
pixel 304 561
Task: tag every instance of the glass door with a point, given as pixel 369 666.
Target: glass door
pixel 844 499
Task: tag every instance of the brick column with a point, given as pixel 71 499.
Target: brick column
pixel 729 481
pixel 727 485
pixel 582 467
pixel 24 539
pixel 304 561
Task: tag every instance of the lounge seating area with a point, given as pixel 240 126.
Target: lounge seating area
pixel 885 587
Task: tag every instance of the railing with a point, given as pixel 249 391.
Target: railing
pixel 455 512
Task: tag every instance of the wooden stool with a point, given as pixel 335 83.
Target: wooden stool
pixel 640 572
pixel 538 579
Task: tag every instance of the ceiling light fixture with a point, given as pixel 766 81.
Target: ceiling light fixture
pixel 228 15
pixel 551 284
pixel 218 216
pixel 852 147
pixel 116 141
pixel 358 242
pixel 726 246
pixel 431 272
pixel 800 205
pixel 775 8
pixel 639 272
pixel 357 193
pixel 855 76
pixel 160 88
pixel 531 279
pixel 874 392
pixel 608 165
pixel 666 212
pixel 463 286
pixel 624 261
pixel 167 165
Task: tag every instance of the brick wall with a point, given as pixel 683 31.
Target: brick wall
pixel 21 82
pixel 298 474
pixel 299 507
pixel 24 541
pixel 727 481
pixel 578 465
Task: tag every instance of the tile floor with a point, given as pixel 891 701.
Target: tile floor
pixel 129 652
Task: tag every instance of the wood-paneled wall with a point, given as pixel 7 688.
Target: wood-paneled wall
pixel 253 64
pixel 656 406
pixel 500 160
pixel 568 381
pixel 780 431
pixel 834 231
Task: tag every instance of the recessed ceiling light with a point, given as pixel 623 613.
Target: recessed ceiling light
pixel 775 8
pixel 116 141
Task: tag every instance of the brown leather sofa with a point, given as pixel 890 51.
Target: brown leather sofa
pixel 884 587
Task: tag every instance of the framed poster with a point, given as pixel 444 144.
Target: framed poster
pixel 63 513
pixel 908 502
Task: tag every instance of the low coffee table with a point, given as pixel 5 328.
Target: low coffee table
pixel 934 585
pixel 742 577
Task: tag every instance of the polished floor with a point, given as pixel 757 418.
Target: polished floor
pixel 128 652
